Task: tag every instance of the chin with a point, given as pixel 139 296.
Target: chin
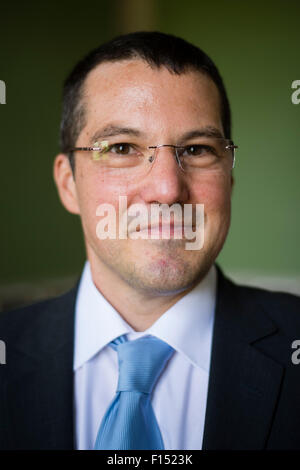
pixel 157 286
pixel 166 275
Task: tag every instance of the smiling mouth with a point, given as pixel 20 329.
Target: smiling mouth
pixel 164 230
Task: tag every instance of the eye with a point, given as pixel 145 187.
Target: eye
pixel 199 150
pixel 121 149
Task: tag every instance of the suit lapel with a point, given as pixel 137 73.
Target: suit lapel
pixel 244 383
pixel 40 388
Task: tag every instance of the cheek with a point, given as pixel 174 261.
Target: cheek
pixel 94 190
pixel 215 194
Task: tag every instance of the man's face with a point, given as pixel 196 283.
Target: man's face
pixel 162 107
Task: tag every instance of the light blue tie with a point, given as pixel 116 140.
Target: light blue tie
pixel 130 423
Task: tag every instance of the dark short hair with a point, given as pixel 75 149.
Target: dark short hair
pixel 157 49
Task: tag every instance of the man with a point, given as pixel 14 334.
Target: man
pixel 146 117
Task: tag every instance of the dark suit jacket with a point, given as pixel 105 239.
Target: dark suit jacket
pixel 254 388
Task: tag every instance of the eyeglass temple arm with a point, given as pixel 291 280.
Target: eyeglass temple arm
pixel 86 149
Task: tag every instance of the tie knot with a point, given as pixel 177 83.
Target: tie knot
pixel 141 362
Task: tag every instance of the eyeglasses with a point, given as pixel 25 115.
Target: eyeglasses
pixel 130 161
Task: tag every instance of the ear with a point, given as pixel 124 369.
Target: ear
pixel 232 182
pixel 64 180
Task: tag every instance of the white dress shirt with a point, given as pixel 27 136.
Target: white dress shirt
pixel 179 396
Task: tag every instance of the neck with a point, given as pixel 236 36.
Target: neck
pixel 139 309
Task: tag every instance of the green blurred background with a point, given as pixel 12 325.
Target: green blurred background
pixel 256 46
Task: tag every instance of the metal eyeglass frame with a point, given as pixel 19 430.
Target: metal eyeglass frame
pixel 151 157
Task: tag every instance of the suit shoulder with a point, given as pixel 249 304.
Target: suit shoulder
pixel 282 307
pixel 270 296
pixel 20 320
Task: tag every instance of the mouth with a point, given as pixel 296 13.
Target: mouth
pixel 166 231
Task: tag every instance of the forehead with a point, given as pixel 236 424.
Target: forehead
pixel 132 90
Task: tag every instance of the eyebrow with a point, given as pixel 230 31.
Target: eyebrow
pixel 208 131
pixel 114 130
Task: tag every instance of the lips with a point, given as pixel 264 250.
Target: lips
pixel 163 230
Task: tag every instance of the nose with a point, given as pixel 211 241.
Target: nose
pixel 165 183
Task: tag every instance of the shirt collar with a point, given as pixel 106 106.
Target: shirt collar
pixel 187 326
